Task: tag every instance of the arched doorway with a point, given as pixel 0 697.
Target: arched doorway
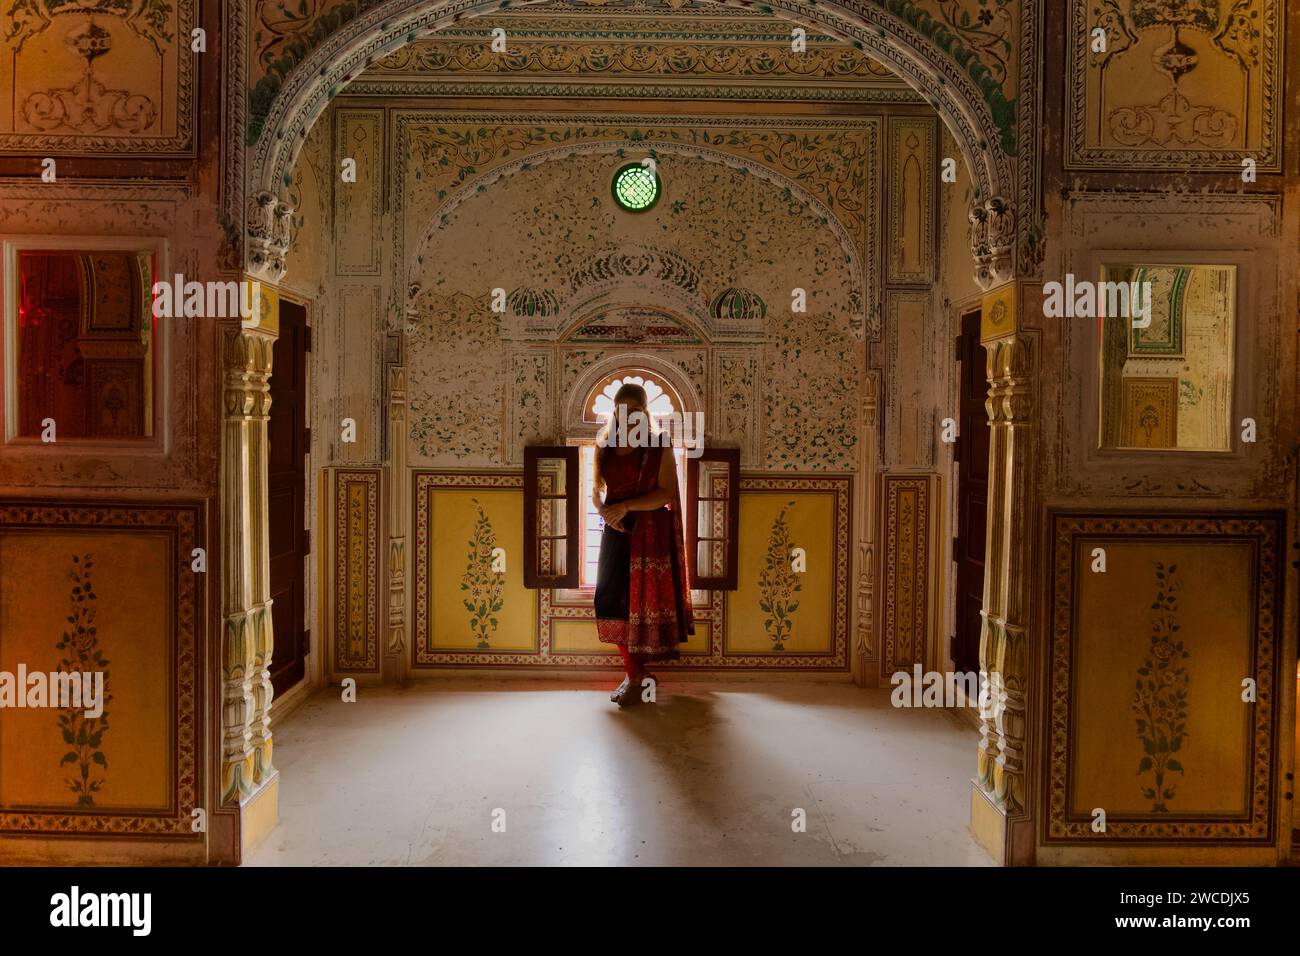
pixel 307 89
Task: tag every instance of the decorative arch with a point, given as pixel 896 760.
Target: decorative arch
pixel 685 392
pixel 479 184
pixel 920 49
pixel 992 135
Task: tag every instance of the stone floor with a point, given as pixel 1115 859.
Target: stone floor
pixel 708 775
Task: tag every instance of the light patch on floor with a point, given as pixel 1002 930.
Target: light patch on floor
pixel 708 775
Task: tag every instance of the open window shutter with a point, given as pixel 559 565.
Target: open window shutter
pixel 713 518
pixel 551 491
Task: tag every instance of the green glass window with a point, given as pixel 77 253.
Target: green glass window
pixel 636 188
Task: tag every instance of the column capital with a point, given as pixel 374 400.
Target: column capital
pixel 993 240
pixel 267 230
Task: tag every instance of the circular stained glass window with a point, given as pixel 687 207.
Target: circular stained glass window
pixel 636 188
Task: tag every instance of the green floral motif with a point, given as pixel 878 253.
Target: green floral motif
pixel 84 735
pixel 778 583
pixel 483 584
pixel 975 50
pixel 298 30
pixel 1160 701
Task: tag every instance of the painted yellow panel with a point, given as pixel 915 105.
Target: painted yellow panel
pixel 699 643
pixel 465 526
pixel 998 315
pixel 127 600
pixel 578 637
pixel 1124 640
pixel 798 615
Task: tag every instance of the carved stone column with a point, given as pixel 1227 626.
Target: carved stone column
pixel 864 642
pixel 247 634
pixel 395 654
pixel 1004 639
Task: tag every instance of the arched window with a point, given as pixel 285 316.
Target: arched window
pixel 661 397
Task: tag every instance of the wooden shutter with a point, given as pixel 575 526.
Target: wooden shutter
pixel 713 518
pixel 551 491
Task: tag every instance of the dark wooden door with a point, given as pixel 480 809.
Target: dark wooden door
pixel 972 494
pixel 286 494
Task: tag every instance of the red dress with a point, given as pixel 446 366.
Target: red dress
pixel 642 601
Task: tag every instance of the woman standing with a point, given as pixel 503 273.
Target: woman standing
pixel 642 601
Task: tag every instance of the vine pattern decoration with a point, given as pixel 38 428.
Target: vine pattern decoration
pixel 1161 695
pixel 778 584
pixel 82 654
pixel 483 585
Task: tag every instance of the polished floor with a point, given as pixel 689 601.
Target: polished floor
pixel 708 775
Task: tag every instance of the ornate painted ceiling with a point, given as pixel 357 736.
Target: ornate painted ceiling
pixel 635 48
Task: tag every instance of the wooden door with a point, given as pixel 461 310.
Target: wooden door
pixel 286 494
pixel 972 494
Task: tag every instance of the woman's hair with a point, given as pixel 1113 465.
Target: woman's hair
pixel 629 393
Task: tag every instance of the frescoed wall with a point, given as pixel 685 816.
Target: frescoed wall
pixel 469 588
pixel 551 228
pixel 165 155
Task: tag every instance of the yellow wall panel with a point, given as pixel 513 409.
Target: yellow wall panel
pixel 771 524
pixel 1148 720
pixel 132 630
pixel 577 637
pixel 465 525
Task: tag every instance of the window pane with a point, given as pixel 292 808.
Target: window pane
pixel 714 480
pixel 551 517
pixel 550 477
pixel 591 524
pixel 710 558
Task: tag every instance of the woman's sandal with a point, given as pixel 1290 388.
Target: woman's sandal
pixel 628 697
pixel 618 690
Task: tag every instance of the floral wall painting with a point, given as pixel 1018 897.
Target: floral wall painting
pixel 1147 660
pixel 1161 697
pixel 779 610
pixel 88 602
pixel 482 581
pixel 463 603
pixel 92 76
pixel 82 731
pixel 778 582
